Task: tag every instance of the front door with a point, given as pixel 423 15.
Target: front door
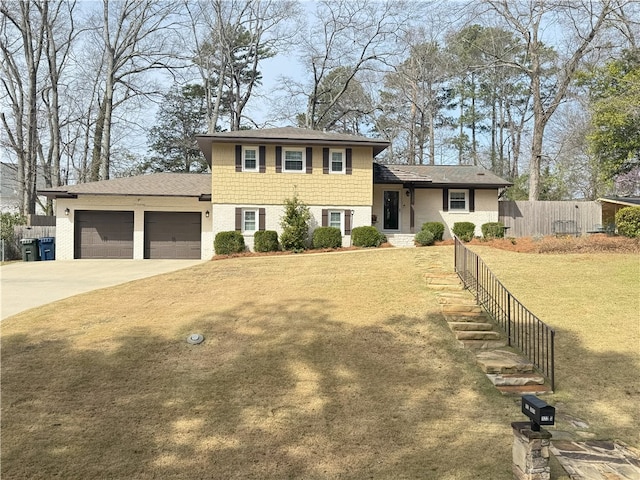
pixel 391 210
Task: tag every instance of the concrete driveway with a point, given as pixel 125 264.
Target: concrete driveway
pixel 27 285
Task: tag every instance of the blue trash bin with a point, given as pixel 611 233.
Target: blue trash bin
pixel 47 248
pixel 30 251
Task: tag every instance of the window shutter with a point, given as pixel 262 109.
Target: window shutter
pixel 261 222
pixel 238 219
pixel 278 159
pixel 325 160
pixel 262 158
pixel 445 199
pixel 349 163
pixel 347 222
pixel 472 200
pixel 325 217
pixel 238 158
pixel 309 156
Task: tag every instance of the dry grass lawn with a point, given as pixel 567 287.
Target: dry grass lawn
pixel 314 366
pixel 593 302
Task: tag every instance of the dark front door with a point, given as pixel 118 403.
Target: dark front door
pixel 391 210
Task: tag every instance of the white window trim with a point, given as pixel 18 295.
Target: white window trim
pixel 344 161
pixel 284 159
pixel 256 211
pixel 339 212
pixel 466 201
pixel 257 150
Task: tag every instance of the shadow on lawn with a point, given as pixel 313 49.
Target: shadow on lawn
pixel 273 392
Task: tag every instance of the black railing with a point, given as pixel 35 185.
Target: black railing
pixel 525 331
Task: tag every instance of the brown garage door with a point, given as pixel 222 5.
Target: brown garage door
pixel 172 235
pixel 103 234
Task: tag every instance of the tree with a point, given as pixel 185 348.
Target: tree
pixel 181 117
pixel 295 225
pixel 587 21
pixel 615 114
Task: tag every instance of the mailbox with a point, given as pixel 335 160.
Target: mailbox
pixel 538 411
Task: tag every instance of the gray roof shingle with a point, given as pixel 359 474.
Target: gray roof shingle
pixel 438 175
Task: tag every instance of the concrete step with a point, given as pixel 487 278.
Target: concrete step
pixel 483 344
pixel 525 389
pixel 457 309
pixel 477 335
pixel 515 379
pixel 473 326
pixel 503 362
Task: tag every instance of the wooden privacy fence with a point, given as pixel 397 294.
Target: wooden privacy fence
pixel 531 218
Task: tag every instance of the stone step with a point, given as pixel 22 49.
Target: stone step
pixel 503 362
pixel 444 299
pixel 483 344
pixel 525 389
pixel 441 288
pixel 473 326
pixel 477 335
pixel 456 309
pixel 466 317
pixel 445 279
pixel 515 379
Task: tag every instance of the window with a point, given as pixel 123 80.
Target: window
pixel 336 165
pixel 294 160
pixel 335 219
pixel 250 159
pixel 458 201
pixel 249 220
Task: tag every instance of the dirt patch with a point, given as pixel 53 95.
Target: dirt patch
pixel 589 244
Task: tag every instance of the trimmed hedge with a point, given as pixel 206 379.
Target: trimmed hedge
pixel 464 230
pixel 628 222
pixel 227 243
pixel 366 237
pixel 265 241
pixel 327 237
pixel 437 228
pixel 492 230
pixel 425 238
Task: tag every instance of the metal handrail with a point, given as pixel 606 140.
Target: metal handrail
pixel 525 332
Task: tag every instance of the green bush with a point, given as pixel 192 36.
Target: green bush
pixel 366 237
pixel 628 222
pixel 227 243
pixel 492 230
pixel 295 225
pixel 425 237
pixel 327 237
pixel 437 228
pixel 464 230
pixel 12 249
pixel 265 241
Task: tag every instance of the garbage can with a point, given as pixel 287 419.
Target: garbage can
pixel 30 249
pixel 47 248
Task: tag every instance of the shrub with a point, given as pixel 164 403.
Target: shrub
pixel 227 243
pixel 464 230
pixel 437 228
pixel 366 237
pixel 265 241
pixel 327 237
pixel 628 222
pixel 11 245
pixel 424 238
pixel 492 230
pixel 295 225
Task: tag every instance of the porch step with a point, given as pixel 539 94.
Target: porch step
pixel 515 379
pixel 470 326
pixel 503 362
pixel 401 239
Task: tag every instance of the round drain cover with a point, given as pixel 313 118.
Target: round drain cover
pixel 195 338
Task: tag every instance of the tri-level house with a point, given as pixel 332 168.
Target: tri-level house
pixel 253 172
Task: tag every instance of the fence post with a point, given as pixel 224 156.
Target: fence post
pixel 508 319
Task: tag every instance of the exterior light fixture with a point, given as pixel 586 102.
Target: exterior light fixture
pixel 67 211
pixel 206 214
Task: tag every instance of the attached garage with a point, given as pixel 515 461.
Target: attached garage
pixel 172 235
pixel 103 234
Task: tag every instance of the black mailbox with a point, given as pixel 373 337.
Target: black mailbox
pixel 538 411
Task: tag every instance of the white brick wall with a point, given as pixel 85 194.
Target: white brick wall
pixel 65 225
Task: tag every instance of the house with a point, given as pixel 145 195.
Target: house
pixel 611 205
pixel 253 172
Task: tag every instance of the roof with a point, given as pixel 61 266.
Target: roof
pixel 155 185
pixel 630 201
pixel 438 175
pixel 288 136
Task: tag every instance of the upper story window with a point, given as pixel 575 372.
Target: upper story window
pixel 337 161
pixel 294 159
pixel 459 200
pixel 249 159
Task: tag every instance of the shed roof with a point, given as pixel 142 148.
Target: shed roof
pixel 438 175
pixel 288 136
pixel 630 201
pixel 155 184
